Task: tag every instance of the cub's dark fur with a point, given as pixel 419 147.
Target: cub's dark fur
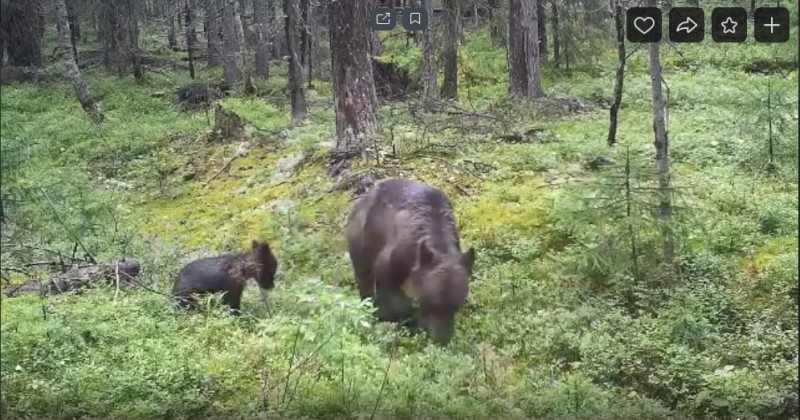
pixel 226 273
pixel 404 244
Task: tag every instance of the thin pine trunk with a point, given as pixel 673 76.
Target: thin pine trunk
pixel 429 82
pixel 213 24
pixel 230 44
pixel 262 47
pixel 662 149
pixel 556 34
pixel 452 9
pixel 620 76
pixel 191 34
pixel 172 40
pixel 73 72
pixel 296 80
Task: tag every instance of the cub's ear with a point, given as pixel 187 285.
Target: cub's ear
pixel 468 259
pixel 259 243
pixel 426 256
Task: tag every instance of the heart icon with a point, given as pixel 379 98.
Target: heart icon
pixel 640 23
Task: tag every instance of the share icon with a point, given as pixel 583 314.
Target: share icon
pixel 686 24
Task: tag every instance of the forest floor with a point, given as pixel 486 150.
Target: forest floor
pixel 560 322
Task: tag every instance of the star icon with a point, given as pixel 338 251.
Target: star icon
pixel 732 23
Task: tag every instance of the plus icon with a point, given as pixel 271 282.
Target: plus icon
pixel 772 24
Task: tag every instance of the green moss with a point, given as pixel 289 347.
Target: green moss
pixel 259 113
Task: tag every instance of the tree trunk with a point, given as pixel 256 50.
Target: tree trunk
pixel 355 101
pixel 191 34
pixel 296 79
pixel 172 40
pixel 129 16
pixel 278 31
pixel 240 29
pixel 542 27
pixel 374 36
pixel 261 26
pixel 452 35
pixel 74 16
pixel 73 72
pixel 430 86
pixel 662 148
pixel 109 34
pixel 304 30
pixel 523 69
pixel 556 34
pixel 619 23
pixel 310 59
pixel 213 22
pixel 120 37
pixel 230 44
pixel 249 28
pixel 495 29
pixel 23 27
pixel 772 166
pixel 3 54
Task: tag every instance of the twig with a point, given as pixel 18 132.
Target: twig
pixel 385 377
pixel 44 307
pixel 291 364
pixel 74 236
pixel 303 363
pixel 239 152
pixel 116 271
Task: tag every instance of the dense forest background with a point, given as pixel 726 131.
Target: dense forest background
pixel 633 207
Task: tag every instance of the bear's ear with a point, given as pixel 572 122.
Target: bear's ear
pixel 468 259
pixel 254 245
pixel 426 256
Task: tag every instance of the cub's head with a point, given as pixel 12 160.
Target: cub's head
pixel 265 264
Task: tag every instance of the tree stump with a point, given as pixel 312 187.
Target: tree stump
pixel 227 125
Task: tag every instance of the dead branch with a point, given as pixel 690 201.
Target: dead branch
pixel 240 151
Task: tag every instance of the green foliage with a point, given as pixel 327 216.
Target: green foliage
pixel 564 319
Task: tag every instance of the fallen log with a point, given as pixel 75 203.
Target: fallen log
pixel 121 273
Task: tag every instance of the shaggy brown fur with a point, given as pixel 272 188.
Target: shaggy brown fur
pixel 404 245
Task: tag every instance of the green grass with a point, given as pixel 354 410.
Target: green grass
pixel 556 325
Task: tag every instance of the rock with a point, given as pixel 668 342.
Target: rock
pixel 600 162
pixel 281 206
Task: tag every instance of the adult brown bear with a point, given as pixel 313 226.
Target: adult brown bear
pixel 404 244
pixel 227 273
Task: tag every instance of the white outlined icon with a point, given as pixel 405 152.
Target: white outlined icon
pixel 644 24
pixel 729 26
pixel 415 19
pixel 383 19
pixel 687 26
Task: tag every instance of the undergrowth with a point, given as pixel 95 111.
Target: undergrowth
pixel 565 319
